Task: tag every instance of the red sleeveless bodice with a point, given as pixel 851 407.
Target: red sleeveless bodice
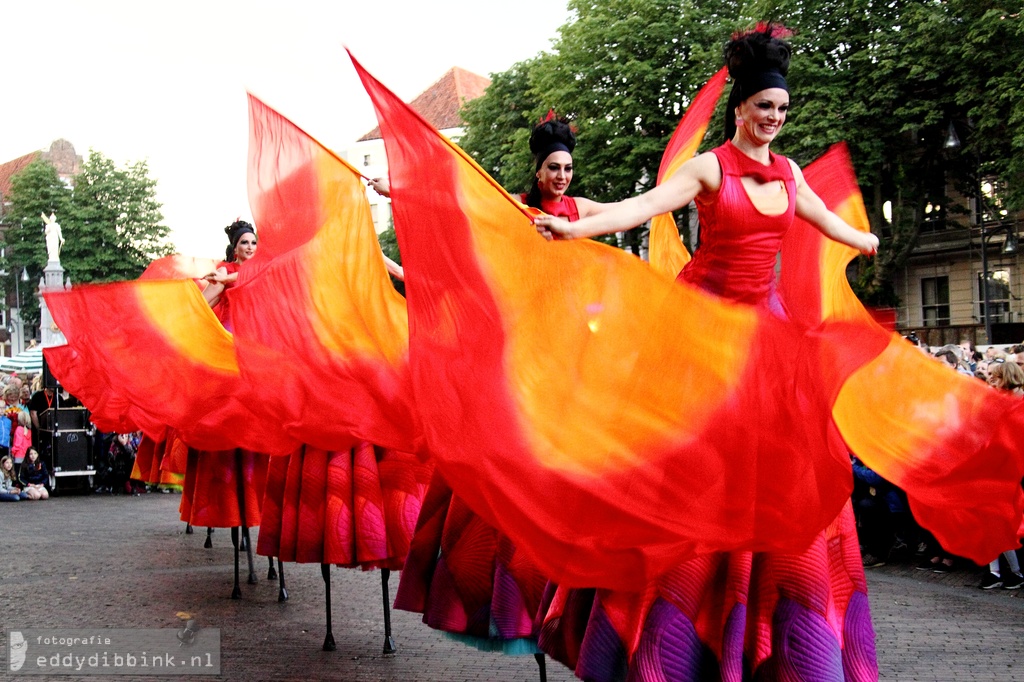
pixel 566 208
pixel 738 243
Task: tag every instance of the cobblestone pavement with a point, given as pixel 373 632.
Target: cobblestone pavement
pixel 125 562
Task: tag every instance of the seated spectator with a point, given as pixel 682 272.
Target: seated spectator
pixel 34 476
pixel 9 490
pixel 115 471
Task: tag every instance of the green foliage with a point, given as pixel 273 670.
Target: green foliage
pixel 389 245
pixel 110 222
pixel 114 230
pixel 498 127
pixel 886 77
pixel 36 190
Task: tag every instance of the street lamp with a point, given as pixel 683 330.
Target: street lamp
pixel 1009 244
pixel 1009 247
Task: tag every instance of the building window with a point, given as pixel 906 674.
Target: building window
pixel 935 301
pixel 998 296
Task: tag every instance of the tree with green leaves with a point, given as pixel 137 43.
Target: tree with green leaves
pixel 886 77
pixel 110 220
pixel 389 245
pixel 114 229
pixel 36 190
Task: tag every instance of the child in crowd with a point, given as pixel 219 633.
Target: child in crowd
pixel 34 476
pixel 9 490
pixel 21 439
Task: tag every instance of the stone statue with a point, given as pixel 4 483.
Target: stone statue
pixel 54 237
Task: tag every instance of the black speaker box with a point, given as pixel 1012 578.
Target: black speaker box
pixel 71 451
pixel 71 418
pixel 49 381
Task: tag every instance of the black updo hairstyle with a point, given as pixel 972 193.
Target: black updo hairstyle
pixel 757 59
pixel 552 134
pixel 234 231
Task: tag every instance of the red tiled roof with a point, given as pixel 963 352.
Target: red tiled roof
pixel 11 168
pixel 440 103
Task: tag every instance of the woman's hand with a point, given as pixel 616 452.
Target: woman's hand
pixel 381 186
pixel 551 227
pixel 870 246
pixel 215 277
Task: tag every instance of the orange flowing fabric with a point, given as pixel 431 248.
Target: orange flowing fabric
pixel 949 441
pixel 159 352
pixel 666 252
pixel 561 383
pixel 555 394
pixel 315 314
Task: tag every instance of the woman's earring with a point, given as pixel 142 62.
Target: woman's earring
pixel 739 121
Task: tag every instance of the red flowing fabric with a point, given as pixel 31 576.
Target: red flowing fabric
pixel 554 394
pixel 159 356
pixel 178 266
pixel 555 391
pixel 110 409
pixel 666 252
pixel 949 441
pixel 315 314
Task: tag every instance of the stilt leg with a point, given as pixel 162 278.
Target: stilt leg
pixel 236 591
pixel 543 667
pixel 188 529
pixel 271 572
pixel 209 539
pixel 389 641
pixel 282 591
pixel 248 553
pixel 325 571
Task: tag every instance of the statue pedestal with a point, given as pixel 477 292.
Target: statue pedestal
pixel 53 280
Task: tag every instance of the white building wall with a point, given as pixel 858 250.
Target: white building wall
pixel 370 159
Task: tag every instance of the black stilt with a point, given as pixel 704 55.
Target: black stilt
pixel 236 591
pixel 543 667
pixel 209 539
pixel 325 571
pixel 248 553
pixel 271 572
pixel 389 641
pixel 282 591
pixel 188 529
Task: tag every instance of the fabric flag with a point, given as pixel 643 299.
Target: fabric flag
pixel 109 409
pixel 949 441
pixel 160 357
pixel 569 397
pixel 178 266
pixel 315 314
pixel 666 252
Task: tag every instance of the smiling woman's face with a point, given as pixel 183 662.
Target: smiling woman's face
pixel 554 175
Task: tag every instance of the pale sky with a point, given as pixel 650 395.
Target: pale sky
pixel 165 82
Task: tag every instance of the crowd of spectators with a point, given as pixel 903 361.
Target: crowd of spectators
pixel 887 530
pixel 26 441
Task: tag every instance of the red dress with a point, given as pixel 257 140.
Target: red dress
pixel 352 508
pixel 224 488
pixel 221 309
pixel 740 615
pixel 465 577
